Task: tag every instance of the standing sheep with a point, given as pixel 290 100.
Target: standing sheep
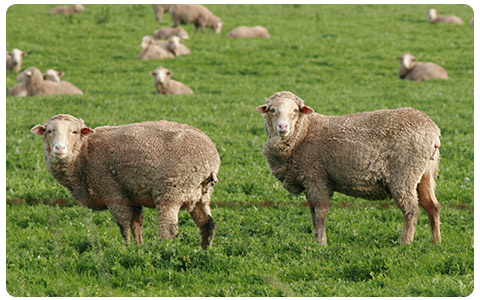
pixel 372 155
pixel 249 32
pixel 167 32
pixel 158 164
pixel 14 60
pixel 159 10
pixel 75 8
pixel 32 78
pixel 196 14
pixel 412 69
pixel 450 19
pixel 19 90
pixel 167 86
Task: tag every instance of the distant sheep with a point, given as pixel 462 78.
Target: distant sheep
pixel 32 78
pixel 372 155
pixel 176 46
pixel 75 8
pixel 249 32
pixel 167 32
pixel 450 19
pixel 152 49
pixel 166 85
pixel 14 60
pixel 196 14
pixel 19 90
pixel 158 164
pixel 159 10
pixel 411 69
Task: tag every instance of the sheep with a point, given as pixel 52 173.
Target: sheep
pixel 19 90
pixel 152 49
pixel 32 78
pixel 167 32
pixel 249 32
pixel 411 69
pixel 196 14
pixel 14 60
pixel 176 46
pixel 373 155
pixel 75 8
pixel 156 164
pixel 165 85
pixel 450 19
pixel 159 10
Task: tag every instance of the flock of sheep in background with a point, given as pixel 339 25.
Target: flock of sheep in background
pixel 173 166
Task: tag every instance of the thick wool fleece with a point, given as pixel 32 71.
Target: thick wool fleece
pixel 36 86
pixel 423 71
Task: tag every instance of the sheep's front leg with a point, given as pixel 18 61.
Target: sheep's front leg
pixel 319 200
pixel 122 215
pixel 136 224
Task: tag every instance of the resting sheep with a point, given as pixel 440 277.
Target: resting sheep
pixel 196 14
pixel 372 155
pixel 249 32
pixel 176 46
pixel 32 78
pixel 14 60
pixel 159 164
pixel 412 69
pixel 165 85
pixel 159 10
pixel 450 19
pixel 75 8
pixel 152 49
pixel 19 90
pixel 167 32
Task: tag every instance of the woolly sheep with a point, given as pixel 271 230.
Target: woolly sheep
pixel 152 49
pixel 373 155
pixel 450 19
pixel 167 32
pixel 412 69
pixel 249 32
pixel 159 10
pixel 196 14
pixel 32 78
pixel 166 85
pixel 14 60
pixel 75 8
pixel 158 164
pixel 176 46
pixel 19 90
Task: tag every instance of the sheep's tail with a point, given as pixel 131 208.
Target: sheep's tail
pixel 213 177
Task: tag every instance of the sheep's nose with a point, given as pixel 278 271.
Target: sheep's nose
pixel 283 126
pixel 60 147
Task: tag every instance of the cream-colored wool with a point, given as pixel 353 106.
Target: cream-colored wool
pixel 32 78
pixel 199 15
pixel 152 49
pixel 176 46
pixel 450 19
pixel 19 90
pixel 167 32
pixel 373 155
pixel 166 85
pixel 412 69
pixel 249 32
pixel 158 164
pixel 75 8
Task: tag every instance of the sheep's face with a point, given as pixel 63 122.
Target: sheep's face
pixel 52 75
pixel 282 115
pixel 407 61
pixel 62 137
pixel 217 27
pixel 146 40
pixel 17 56
pixel 432 14
pixel 161 74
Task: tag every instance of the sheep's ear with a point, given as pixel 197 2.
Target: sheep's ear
pixel 306 110
pixel 44 77
pixel 60 74
pixel 29 73
pixel 169 73
pixel 24 53
pixel 262 109
pixel 153 73
pixel 38 129
pixel 87 130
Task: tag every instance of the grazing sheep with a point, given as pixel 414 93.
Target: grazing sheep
pixel 450 19
pixel 411 69
pixel 75 8
pixel 152 49
pixel 373 155
pixel 167 32
pixel 176 46
pixel 166 85
pixel 159 10
pixel 249 32
pixel 32 78
pixel 19 90
pixel 196 14
pixel 14 60
pixel 158 164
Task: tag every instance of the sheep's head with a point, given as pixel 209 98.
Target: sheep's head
pixel 17 56
pixel 282 111
pixel 63 136
pixel 52 75
pixel 146 40
pixel 77 7
pixel 407 61
pixel 432 14
pixel 28 74
pixel 161 75
pixel 173 44
pixel 217 26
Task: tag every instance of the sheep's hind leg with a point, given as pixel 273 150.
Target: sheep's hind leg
pixel 428 201
pixel 408 203
pixel 202 216
pixel 136 224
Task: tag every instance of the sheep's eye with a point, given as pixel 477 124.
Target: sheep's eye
pixel 49 131
pixel 74 132
pixel 295 111
pixel 272 110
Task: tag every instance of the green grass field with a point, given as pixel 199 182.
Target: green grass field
pixel 339 58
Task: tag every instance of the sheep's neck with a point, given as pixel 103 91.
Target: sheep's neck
pixel 406 71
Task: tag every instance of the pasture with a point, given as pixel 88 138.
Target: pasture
pixel 339 59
